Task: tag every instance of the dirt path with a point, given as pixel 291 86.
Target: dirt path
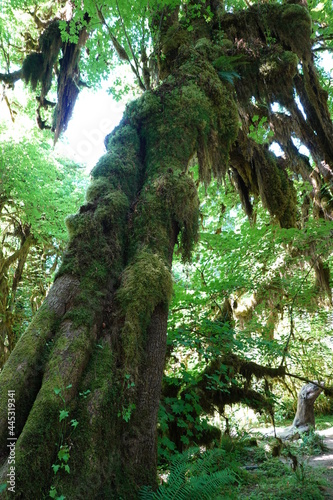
pixel 326 460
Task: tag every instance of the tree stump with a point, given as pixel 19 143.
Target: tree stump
pixel 304 418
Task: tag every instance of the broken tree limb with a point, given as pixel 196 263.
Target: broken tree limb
pixel 304 419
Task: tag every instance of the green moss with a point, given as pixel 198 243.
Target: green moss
pixel 97 189
pixel 276 190
pixel 146 282
pixel 97 231
pixel 114 206
pixel 276 73
pixel 33 69
pixel 24 369
pixel 124 135
pixel 278 66
pixel 168 199
pixel 193 111
pixel 294 27
pixel 121 166
pixel 89 444
pixel 145 108
pixel 175 37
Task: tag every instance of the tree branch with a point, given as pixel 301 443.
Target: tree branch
pixel 16 255
pixel 11 78
pixel 9 107
pixel 137 72
pixel 122 54
pixel 327 390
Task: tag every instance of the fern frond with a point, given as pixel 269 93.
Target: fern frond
pixel 195 474
pixel 228 76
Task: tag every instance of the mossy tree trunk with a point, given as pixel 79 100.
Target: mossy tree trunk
pixel 96 348
pixel 102 328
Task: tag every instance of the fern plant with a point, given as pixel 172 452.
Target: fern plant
pixel 195 474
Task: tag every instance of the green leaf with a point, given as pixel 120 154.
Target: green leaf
pixel 55 468
pixel 74 423
pixel 53 492
pixel 63 454
pixel 63 414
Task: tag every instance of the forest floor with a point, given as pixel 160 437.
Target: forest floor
pixel 322 461
pixel 325 460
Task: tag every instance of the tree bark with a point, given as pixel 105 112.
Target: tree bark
pixel 307 396
pixel 304 419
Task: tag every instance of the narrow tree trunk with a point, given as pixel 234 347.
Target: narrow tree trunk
pixel 7 295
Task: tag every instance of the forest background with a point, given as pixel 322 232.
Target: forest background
pixel 250 317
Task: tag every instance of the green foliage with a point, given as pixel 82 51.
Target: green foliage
pixel 251 291
pixel 257 269
pixel 63 454
pixel 37 190
pixel 260 132
pixel 195 474
pixel 127 412
pixel 311 443
pixel 44 187
pixel 227 65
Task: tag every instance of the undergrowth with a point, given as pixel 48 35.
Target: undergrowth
pixel 243 467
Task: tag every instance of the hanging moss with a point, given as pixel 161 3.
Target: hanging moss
pixel 243 192
pixel 293 26
pixel 38 66
pixel 271 38
pixel 200 115
pixel 276 190
pixel 167 199
pixel 32 69
pixel 271 23
pixel 276 73
pixel 184 203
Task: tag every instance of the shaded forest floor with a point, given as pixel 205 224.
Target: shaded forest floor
pixel 313 478
pixel 325 460
pixel 254 465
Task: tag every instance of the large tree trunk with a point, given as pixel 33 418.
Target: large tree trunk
pixel 102 329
